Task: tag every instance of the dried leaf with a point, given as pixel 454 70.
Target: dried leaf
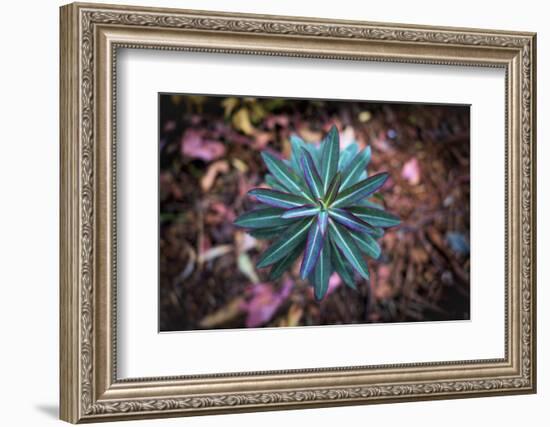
pixel 196 146
pixel 216 168
pixel 215 252
pixel 228 312
pixel 246 267
pixel 241 121
pixel 265 302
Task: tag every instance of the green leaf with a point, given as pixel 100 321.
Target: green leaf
pixel 291 238
pixel 262 218
pixel 311 175
pixel 370 204
pixel 375 217
pixel 330 156
pixel 314 244
pixel 302 211
pixel 360 190
pixel 340 266
pixel 285 263
pixel 269 233
pixel 297 145
pixel 350 221
pixel 366 244
pixel 322 219
pixel 278 199
pixel 349 249
pixel 347 155
pixel 284 175
pixel 377 232
pixel 273 183
pixel 322 272
pixel 333 189
pixel 356 167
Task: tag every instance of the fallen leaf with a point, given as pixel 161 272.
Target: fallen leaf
pixel 195 146
pixel 228 312
pixel 247 267
pixel 216 168
pixel 293 316
pixel 241 121
pixel 215 252
pixel 264 302
pixel 239 165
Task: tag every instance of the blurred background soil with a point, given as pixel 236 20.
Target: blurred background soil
pixel 210 157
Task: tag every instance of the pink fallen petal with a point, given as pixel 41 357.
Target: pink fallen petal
pixel 334 283
pixel 196 146
pixel 411 171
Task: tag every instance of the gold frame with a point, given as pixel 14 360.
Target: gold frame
pixel 90 36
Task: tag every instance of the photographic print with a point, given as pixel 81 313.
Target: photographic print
pixel 307 212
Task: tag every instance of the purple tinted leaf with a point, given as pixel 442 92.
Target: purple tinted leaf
pixel 278 199
pixel 360 190
pixel 322 219
pixel 301 211
pixel 284 174
pixel 330 156
pixel 350 221
pixel 264 303
pixel 314 244
pixel 291 238
pixel 311 174
pixel 333 189
pixel 196 146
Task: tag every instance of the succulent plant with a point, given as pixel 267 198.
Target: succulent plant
pixel 318 204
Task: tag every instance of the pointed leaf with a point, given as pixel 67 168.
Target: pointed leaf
pixel 375 217
pixel 322 272
pixel 315 152
pixel 284 175
pixel 285 263
pixel 278 199
pixel 291 238
pixel 271 232
pixel 311 175
pixel 333 189
pixel 366 244
pixel 349 220
pixel 297 145
pixel 314 244
pixel 356 167
pixel 369 203
pixel 330 156
pixel 273 183
pixel 377 232
pixel 301 211
pixel 347 155
pixel 349 248
pixel 360 190
pixel 262 218
pixel 340 266
pixel 322 219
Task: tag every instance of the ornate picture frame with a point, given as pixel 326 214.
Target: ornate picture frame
pixel 90 37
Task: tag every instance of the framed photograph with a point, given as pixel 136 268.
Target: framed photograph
pixel 267 212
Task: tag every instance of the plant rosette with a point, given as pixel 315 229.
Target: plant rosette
pixel 318 205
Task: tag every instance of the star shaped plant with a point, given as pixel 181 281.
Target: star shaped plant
pixel 318 205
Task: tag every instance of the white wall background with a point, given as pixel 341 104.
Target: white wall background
pixel 29 170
